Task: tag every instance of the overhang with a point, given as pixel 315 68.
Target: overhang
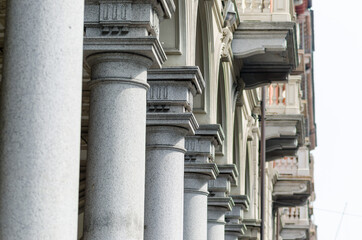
pixel 265 52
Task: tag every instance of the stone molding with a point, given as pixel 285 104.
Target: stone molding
pixel 207 169
pixel 182 120
pixel 226 203
pixel 230 171
pixel 294 234
pixel 191 74
pixel 241 200
pixel 235 229
pixel 252 229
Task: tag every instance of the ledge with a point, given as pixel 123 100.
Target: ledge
pixel 208 169
pixel 294 234
pixel 290 192
pixel 230 170
pixel 241 200
pixel 284 135
pixel 222 202
pixel 213 130
pixel 235 229
pixel 183 120
pixel 265 52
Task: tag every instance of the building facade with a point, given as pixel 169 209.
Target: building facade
pixel 157 120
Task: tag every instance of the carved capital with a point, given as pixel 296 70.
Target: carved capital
pixel 201 147
pixel 124 26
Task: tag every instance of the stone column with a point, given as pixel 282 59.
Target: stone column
pixel 120 44
pixel 199 169
pixel 234 228
pixel 169 119
pixel 40 120
pixel 219 202
pixel 115 164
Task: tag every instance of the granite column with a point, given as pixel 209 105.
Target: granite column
pixel 40 119
pixel 199 169
pixel 120 44
pixel 219 201
pixel 169 119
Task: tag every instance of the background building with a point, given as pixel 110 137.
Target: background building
pixel 174 140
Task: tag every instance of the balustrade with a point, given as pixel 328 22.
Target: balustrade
pixel 285 98
pixel 294 165
pixel 266 10
pixel 294 215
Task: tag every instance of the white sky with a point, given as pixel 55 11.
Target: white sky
pixel 338 92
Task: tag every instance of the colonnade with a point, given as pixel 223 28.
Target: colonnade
pixel 150 166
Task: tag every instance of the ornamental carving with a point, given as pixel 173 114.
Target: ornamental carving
pixel 226 40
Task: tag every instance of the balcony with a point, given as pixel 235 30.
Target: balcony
pixel 265 43
pixel 266 10
pixel 294 183
pixel 285 98
pixel 285 128
pixel 294 166
pixel 294 223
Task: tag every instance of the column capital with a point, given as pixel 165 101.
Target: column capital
pixel 241 200
pixel 201 147
pixel 235 216
pixel 208 169
pixel 173 89
pixel 191 74
pixel 182 120
pixel 126 26
pixel 230 171
pixel 235 229
pixel 212 130
pixel 226 203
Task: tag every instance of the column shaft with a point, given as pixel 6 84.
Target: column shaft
pixel 40 120
pixel 216 223
pixel 164 182
pixel 114 207
pixel 195 209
